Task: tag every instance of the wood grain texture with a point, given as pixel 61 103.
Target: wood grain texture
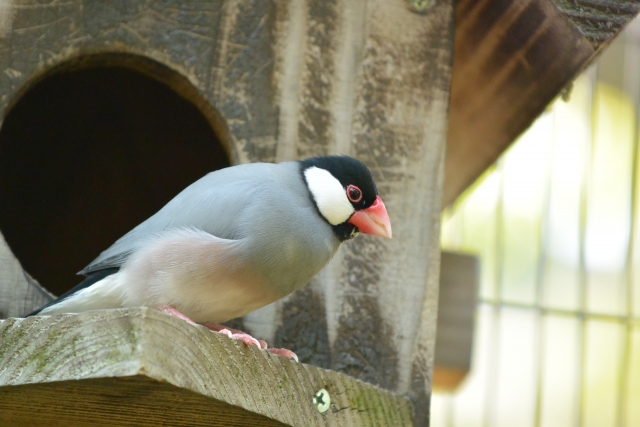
pixel 598 20
pixel 513 57
pixel 240 82
pixel 399 128
pixel 148 345
pixel 119 401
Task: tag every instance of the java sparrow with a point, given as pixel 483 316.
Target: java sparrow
pixel 234 241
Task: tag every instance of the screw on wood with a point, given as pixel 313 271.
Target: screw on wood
pixel 322 400
pixel 420 6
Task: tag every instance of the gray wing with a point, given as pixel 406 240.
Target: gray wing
pixel 216 203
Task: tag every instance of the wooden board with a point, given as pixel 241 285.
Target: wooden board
pixel 598 20
pixel 124 352
pixel 119 402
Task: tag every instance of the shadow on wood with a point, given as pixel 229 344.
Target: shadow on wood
pixel 459 284
pixel 121 401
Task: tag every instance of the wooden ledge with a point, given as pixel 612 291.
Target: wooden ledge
pixel 141 367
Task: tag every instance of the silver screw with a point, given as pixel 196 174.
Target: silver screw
pixel 420 6
pixel 322 400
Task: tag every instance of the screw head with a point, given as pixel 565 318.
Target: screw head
pixel 420 6
pixel 322 400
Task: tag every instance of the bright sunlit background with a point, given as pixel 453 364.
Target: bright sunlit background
pixel 555 224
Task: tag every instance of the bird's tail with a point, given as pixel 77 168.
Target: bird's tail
pixel 88 281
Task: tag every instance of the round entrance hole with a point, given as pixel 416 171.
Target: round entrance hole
pixel 87 155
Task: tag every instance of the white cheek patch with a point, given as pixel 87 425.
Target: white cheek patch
pixel 329 195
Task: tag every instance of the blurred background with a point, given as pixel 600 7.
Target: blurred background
pixel 555 226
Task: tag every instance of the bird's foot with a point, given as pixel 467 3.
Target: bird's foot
pixel 236 334
pixel 249 340
pixel 174 312
pixel 231 333
pixel 245 338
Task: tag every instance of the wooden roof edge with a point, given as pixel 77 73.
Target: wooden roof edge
pixel 512 58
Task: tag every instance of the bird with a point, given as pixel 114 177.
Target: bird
pixel 235 240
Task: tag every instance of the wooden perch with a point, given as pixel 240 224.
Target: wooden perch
pixel 140 367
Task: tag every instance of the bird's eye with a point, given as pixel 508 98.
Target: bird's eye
pixel 354 194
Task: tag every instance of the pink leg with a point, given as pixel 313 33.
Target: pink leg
pixel 235 334
pixel 231 333
pixel 172 311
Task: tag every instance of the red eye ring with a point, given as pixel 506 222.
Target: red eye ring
pixel 354 194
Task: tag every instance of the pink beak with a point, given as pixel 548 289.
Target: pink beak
pixel 373 220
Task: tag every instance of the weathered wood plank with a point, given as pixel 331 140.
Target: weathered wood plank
pixel 120 344
pixel 241 78
pixel 399 127
pixel 598 20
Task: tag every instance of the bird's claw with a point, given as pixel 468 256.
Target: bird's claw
pixel 262 345
pixel 245 338
pixel 231 333
pixel 174 312
pixel 284 353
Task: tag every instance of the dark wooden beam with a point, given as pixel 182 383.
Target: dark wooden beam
pixel 513 57
pixel 118 402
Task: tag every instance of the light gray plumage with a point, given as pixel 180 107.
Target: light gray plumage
pixel 232 242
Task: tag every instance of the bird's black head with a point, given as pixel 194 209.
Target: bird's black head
pixel 342 186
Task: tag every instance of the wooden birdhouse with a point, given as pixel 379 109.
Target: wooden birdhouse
pixel 109 109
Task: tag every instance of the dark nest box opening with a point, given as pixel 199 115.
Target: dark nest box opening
pixel 87 154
